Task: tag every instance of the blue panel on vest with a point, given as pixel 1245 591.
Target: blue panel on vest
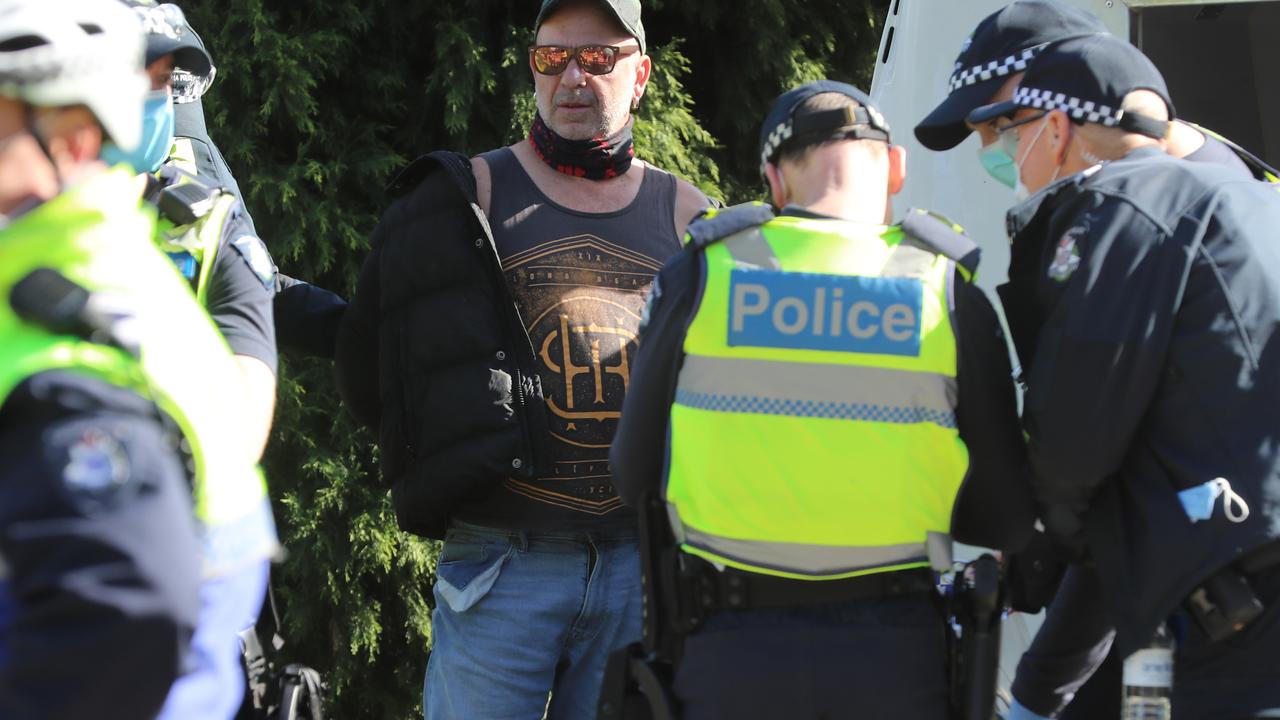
pixel 811 311
pixel 186 263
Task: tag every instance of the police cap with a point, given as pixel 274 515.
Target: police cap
pixel 1087 78
pixel 1003 44
pixel 168 32
pixel 788 125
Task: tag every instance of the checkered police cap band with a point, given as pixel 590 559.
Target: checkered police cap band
pixel 859 123
pixel 1015 63
pixel 1085 110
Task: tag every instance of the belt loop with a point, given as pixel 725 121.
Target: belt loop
pixel 520 539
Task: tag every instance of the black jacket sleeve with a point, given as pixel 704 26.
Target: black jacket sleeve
pixel 356 357
pixel 1072 643
pixel 103 563
pixel 638 455
pixel 995 507
pixel 1101 356
pixel 241 287
pixel 306 318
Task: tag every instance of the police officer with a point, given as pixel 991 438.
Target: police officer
pixel 203 226
pixel 833 400
pixel 992 61
pixel 988 68
pixel 203 231
pixel 1143 297
pixel 99 346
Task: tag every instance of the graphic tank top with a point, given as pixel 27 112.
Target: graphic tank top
pixel 579 280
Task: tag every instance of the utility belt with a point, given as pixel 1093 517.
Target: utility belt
pixel 1228 600
pixel 733 589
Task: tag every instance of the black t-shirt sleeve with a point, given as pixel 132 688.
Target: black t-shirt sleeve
pixel 101 590
pixel 637 458
pixel 241 289
pixel 995 507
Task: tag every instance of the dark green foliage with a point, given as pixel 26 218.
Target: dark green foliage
pixel 316 106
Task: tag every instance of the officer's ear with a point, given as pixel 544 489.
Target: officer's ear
pixel 1060 135
pixel 897 168
pixel 777 185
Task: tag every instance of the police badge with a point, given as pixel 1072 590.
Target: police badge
pixel 1066 259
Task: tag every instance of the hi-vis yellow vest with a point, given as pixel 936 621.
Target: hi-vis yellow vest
pixel 813 433
pixel 98 235
pixel 193 245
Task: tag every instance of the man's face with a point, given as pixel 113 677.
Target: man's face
pixel 578 105
pixel 160 71
pixel 25 173
pixel 987 131
pixel 1036 133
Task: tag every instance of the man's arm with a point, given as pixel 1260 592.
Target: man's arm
pixel 102 562
pixel 1070 646
pixel 638 455
pixel 994 508
pixel 306 318
pixel 239 300
pixel 1100 357
pixel 356 356
pixel 689 203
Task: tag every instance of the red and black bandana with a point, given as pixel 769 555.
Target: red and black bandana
pixel 599 158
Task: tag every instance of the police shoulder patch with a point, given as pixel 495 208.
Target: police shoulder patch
pixel 944 237
pixel 254 253
pixel 89 460
pixel 717 225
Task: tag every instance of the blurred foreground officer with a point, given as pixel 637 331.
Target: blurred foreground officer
pixel 833 397
pixel 1143 297
pixel 99 342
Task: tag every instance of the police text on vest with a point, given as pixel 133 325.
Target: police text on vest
pixel 812 311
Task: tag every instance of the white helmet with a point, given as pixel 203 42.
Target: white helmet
pixel 58 53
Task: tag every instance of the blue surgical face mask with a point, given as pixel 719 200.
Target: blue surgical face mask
pixel 998 164
pixel 157 135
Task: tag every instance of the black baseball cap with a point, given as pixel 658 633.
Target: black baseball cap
pixel 167 31
pixel 1088 79
pixel 626 11
pixel 1003 44
pixel 785 127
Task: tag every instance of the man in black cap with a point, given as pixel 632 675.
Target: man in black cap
pixel 490 343
pixel 793 426
pixel 1144 302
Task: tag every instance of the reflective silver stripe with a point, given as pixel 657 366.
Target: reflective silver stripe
pixel 816 390
pixel 804 559
pixel 749 247
pixel 909 261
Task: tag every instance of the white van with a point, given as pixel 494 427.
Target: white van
pixel 1221 61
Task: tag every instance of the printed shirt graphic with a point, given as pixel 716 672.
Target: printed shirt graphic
pixel 579 281
pixel 581 298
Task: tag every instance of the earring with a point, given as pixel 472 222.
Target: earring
pixel 635 104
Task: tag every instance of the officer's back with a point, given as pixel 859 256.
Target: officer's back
pixel 825 387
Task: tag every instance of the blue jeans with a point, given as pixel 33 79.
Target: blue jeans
pixel 522 615
pixel 212 687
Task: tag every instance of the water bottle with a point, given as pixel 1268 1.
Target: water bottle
pixel 1148 680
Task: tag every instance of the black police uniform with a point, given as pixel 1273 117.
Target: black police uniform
pixel 1143 298
pixel 242 281
pixel 1076 636
pixel 99 584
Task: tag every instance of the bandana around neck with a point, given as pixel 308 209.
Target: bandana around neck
pixel 599 158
